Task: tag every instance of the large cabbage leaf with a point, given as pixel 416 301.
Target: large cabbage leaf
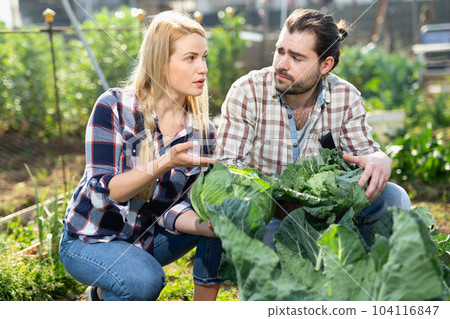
pixel 220 182
pixel 258 273
pixel 330 264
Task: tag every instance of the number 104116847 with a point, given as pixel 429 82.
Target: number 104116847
pixel 405 310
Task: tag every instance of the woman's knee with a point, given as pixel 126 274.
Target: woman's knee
pixel 144 285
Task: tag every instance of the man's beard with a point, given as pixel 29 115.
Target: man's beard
pixel 304 84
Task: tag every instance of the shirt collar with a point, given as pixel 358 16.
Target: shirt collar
pixel 324 93
pixel 275 94
pixel 189 125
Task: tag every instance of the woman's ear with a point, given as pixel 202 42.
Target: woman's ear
pixel 326 65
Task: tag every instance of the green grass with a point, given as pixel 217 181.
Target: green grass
pixel 33 279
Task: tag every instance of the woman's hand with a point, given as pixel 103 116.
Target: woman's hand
pixel 180 156
pixel 189 223
pixel 377 167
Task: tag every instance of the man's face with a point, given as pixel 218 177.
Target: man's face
pixel 296 65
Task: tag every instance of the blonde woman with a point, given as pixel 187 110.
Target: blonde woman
pixel 131 213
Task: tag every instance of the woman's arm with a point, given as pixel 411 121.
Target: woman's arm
pixel 125 186
pixel 189 223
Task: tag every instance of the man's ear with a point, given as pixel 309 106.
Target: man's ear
pixel 326 65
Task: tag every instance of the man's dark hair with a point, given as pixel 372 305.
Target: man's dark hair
pixel 329 35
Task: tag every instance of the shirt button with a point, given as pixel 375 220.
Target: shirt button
pixel 295 144
pixel 289 116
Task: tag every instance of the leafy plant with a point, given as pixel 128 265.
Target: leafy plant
pixel 332 264
pixel 25 65
pixel 325 184
pixel 24 277
pixel 390 79
pixel 27 103
pixel 423 156
pixel 17 234
pixel 214 185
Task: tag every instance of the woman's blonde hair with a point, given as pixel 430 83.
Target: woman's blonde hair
pixel 150 79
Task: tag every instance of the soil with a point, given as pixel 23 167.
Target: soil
pixel 16 186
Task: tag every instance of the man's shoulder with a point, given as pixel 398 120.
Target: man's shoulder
pixel 337 85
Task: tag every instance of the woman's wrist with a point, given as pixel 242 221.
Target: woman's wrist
pixel 190 223
pixel 155 168
pixel 125 186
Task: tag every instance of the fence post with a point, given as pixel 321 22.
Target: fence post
pixel 49 15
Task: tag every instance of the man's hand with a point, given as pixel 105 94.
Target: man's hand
pixel 377 167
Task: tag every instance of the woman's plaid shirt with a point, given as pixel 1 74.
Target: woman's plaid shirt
pixel 113 137
pixel 257 128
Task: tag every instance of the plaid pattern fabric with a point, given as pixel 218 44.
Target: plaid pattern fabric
pixel 113 138
pixel 257 129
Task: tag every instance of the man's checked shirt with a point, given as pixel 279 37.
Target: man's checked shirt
pixel 257 128
pixel 113 138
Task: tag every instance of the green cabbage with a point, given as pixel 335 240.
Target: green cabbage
pixel 220 182
pixel 325 184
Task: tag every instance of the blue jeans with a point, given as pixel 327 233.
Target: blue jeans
pixel 126 272
pixel 393 195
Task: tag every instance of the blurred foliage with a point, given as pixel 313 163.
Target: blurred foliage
pixel 27 103
pixel 27 106
pixel 389 81
pixel 424 156
pixel 389 78
pixel 224 50
pixel 25 86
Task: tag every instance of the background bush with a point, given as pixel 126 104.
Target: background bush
pixel 224 50
pixel 389 81
pixel 27 103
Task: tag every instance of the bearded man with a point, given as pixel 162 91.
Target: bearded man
pixel 274 115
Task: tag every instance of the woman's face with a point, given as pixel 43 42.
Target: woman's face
pixel 187 67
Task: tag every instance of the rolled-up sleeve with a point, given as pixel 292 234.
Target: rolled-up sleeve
pixel 103 150
pixel 168 219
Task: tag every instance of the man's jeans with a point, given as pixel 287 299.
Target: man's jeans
pixel 126 272
pixel 393 195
